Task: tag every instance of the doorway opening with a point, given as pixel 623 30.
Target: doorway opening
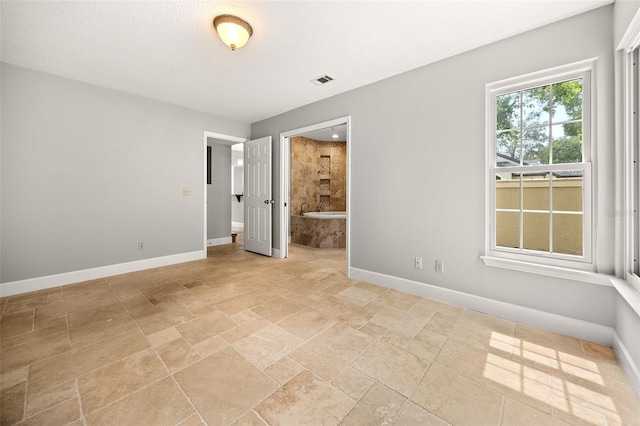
pixel 220 188
pixel 315 184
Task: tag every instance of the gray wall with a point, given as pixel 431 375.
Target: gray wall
pixel 627 320
pixel 237 208
pixel 87 172
pixel 218 201
pixel 406 201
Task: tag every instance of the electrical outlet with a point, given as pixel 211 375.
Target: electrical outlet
pixel 439 266
pixel 418 263
pixel 140 245
pixel 187 192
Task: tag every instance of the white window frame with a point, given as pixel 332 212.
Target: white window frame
pixel 631 136
pixel 565 266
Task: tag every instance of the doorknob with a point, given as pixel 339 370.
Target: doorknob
pixel 268 201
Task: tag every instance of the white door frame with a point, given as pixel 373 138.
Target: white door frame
pixel 285 180
pixel 232 140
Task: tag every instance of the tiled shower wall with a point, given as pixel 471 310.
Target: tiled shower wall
pixel 318 175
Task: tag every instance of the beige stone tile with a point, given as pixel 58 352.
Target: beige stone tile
pixel 441 324
pixel 109 384
pixel 177 354
pixel 351 314
pixel 157 291
pixel 452 398
pixel 413 415
pixel 304 400
pixel 331 351
pixel 244 301
pixel 210 346
pixel 13 377
pixel 392 366
pixel 99 323
pixel 159 404
pixel 599 353
pixel 232 386
pixel 245 329
pixel 518 414
pixel 12 403
pixel 276 309
pixel 78 361
pixel 249 419
pixel 576 414
pixel 206 326
pixel 306 323
pixel 527 382
pixel 15 324
pixel 48 398
pixel 547 343
pixel 96 291
pixel 267 345
pixel 379 405
pixel 399 320
pixel 164 336
pixel 353 383
pixel 193 420
pixel 431 337
pixel 284 370
pixel 33 351
pixel 411 345
pixel 373 329
pixel 398 299
pixel 29 301
pixel 165 313
pixel 484 330
pixel 441 307
pixel 64 413
pixel 42 330
pixel 357 296
pixel 245 316
pixel 124 286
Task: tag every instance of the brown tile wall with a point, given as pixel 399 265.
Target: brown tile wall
pixel 318 175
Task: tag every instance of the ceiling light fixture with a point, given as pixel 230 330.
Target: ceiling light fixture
pixel 334 135
pixel 233 31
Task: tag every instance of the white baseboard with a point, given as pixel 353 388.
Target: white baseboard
pixel 631 370
pixel 237 225
pixel 276 253
pixel 41 283
pixel 557 323
pixel 218 241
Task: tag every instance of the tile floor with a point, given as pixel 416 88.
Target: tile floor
pixel 243 339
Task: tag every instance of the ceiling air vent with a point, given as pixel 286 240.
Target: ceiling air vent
pixel 323 79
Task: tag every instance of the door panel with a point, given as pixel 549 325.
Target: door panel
pixel 258 202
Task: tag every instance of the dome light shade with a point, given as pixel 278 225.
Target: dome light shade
pixel 233 31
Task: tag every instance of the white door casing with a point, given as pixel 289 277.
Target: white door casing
pixel 258 204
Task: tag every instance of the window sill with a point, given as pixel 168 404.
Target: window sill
pixel 550 271
pixel 628 292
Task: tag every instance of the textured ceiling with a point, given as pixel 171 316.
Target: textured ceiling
pixel 168 50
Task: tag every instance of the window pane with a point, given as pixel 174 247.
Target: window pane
pixel 536 231
pixel 508 194
pixel 508 111
pixel 536 146
pixel 508 229
pixel 567 143
pixel 508 149
pixel 567 101
pixel 567 191
pixel 536 193
pixel 567 234
pixel 535 106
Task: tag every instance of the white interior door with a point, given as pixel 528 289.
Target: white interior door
pixel 258 204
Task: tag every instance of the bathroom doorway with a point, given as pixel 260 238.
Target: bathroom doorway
pixel 316 194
